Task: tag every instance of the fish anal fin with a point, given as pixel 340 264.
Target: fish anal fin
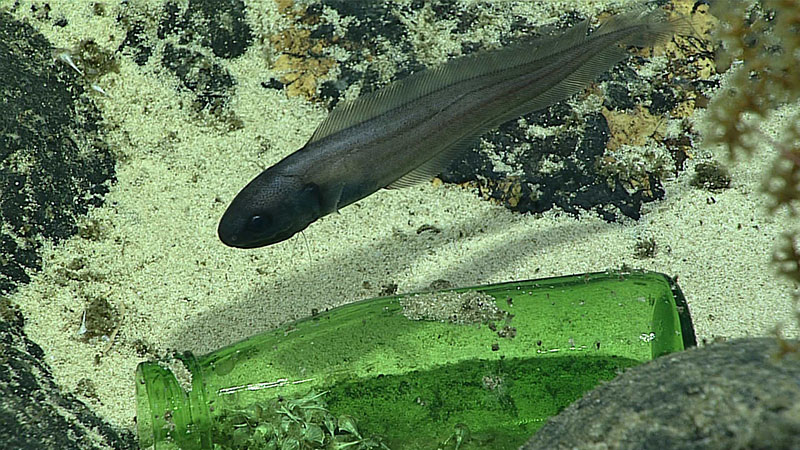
pixel 434 166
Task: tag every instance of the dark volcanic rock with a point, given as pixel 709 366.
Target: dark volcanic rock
pixel 724 396
pixel 34 412
pixel 54 164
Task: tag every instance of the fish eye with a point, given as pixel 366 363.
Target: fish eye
pixel 258 223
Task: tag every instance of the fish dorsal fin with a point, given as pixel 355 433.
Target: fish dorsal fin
pixel 398 93
pixel 639 27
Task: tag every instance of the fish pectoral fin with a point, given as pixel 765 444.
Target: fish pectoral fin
pixel 332 198
pixel 434 166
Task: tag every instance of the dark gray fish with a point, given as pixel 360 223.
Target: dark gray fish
pixel 410 130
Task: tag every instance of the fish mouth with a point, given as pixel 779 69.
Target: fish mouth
pixel 234 241
pixel 238 240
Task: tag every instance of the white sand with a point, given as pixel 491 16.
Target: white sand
pixel 181 288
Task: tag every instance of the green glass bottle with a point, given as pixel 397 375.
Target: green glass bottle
pixel 473 368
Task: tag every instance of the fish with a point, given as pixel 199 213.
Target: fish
pixel 408 131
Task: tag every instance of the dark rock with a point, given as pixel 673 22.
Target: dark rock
pixel 209 81
pixel 54 164
pixel 136 40
pixel 34 413
pixel 219 25
pixel 723 396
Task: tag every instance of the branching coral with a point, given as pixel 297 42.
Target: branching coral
pixel 762 39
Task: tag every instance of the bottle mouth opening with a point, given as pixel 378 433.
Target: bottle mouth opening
pixel 171 413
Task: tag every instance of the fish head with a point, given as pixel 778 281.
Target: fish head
pixel 271 209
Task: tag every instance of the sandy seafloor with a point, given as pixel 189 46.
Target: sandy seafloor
pixel 179 288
